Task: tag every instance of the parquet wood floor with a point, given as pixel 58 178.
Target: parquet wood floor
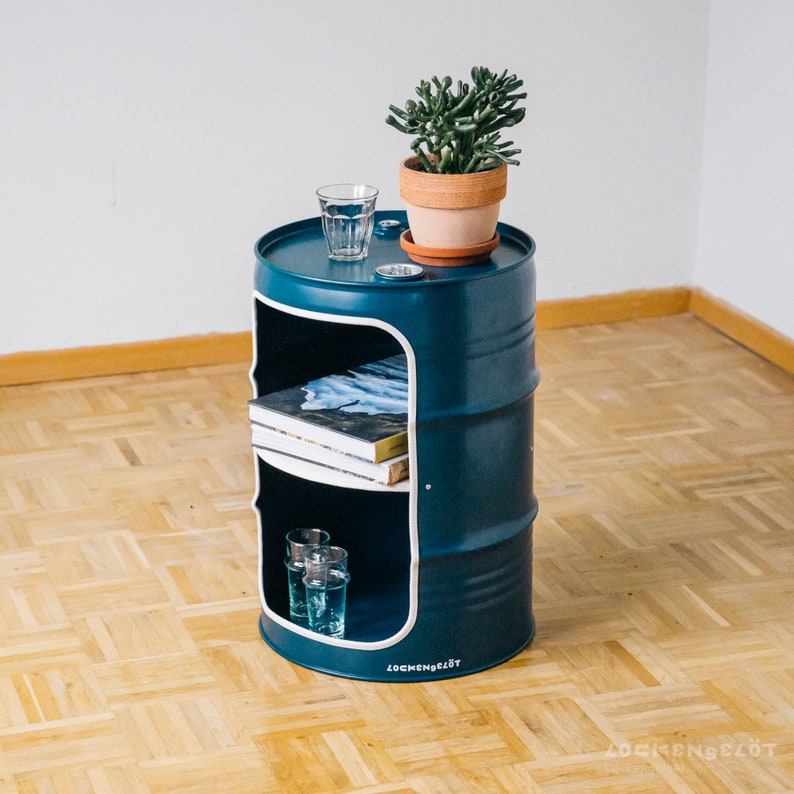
pixel 664 594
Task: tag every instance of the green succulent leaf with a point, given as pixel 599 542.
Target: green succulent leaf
pixel 458 131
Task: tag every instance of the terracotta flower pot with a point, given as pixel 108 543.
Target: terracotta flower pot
pixel 451 211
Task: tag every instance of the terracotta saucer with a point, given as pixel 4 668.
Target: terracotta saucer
pixel 447 257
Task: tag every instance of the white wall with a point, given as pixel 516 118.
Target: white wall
pixel 745 252
pixel 147 144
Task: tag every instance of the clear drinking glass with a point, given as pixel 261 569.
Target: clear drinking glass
pixel 348 214
pixel 299 542
pixel 325 580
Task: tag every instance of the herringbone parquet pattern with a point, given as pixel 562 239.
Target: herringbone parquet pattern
pixel 664 594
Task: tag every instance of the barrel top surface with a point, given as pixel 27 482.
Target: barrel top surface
pixel 298 251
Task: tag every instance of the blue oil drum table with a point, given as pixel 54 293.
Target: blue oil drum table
pixel 441 563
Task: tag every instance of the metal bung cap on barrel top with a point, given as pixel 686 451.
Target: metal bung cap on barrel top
pixel 400 271
pixel 389 228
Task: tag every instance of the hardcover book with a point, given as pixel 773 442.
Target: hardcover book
pixel 362 411
pixel 388 472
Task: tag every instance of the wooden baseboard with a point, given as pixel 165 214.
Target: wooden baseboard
pixel 612 308
pixel 84 362
pixel 742 328
pixel 194 351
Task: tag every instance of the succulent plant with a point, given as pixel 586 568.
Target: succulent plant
pixel 458 132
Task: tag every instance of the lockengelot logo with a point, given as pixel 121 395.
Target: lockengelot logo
pixel 628 757
pixel 753 748
pixel 433 667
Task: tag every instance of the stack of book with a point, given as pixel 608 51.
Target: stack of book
pixel 354 422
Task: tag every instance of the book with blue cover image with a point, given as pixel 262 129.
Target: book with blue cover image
pixel 362 411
